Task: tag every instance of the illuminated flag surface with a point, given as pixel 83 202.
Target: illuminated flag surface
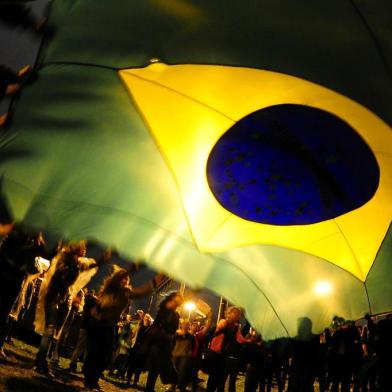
pixel 241 146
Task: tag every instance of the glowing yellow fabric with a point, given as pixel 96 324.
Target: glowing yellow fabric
pixel 189 107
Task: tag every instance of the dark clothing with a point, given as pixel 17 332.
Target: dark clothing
pixel 138 356
pixel 81 345
pixel 17 256
pixel 99 348
pixel 304 364
pixel 80 348
pixel 161 338
pixel 184 345
pixel 227 362
pixel 255 353
pixel 183 358
pixel 67 271
pixel 47 340
pixel 8 295
pixel 104 317
pixel 384 354
pixel 345 355
pixel 231 369
pixel 217 369
pixel 230 346
pixel 254 378
pixel 159 364
pixel 183 366
pixel 166 323
pixel 110 305
pixel 276 363
pixel 136 364
pixel 90 302
pixel 56 307
pixel 255 358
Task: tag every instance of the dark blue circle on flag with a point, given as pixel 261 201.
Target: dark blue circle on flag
pixel 291 165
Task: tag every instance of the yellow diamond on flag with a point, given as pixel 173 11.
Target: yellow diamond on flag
pixel 188 108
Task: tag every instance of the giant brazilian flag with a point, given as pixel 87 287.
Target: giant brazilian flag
pixel 240 145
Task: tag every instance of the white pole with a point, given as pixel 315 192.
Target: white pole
pixel 221 301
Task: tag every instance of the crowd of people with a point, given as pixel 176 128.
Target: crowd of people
pixel 110 337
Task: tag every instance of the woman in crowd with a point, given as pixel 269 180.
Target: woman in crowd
pixel 345 353
pixel 57 291
pixel 160 340
pixel 138 355
pixel 113 299
pixel 255 355
pixel 124 349
pixel 182 354
pixel 305 356
pixel 201 335
pixel 225 350
pixel 81 345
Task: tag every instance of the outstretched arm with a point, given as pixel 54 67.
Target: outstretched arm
pixel 207 325
pixel 148 287
pixel 86 263
pixel 241 339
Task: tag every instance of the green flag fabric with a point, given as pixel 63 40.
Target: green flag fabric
pixel 115 141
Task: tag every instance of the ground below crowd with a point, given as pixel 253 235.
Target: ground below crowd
pixel 17 374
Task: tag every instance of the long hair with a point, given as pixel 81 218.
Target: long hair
pixel 57 280
pixel 76 248
pixel 233 308
pixel 64 276
pixel 112 284
pixel 168 298
pixel 113 298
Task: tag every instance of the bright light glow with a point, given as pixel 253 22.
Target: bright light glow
pixel 323 288
pixel 43 263
pixel 189 306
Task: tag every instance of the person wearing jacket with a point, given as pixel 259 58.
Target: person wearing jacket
pixel 137 357
pixel 67 269
pixel 160 339
pixel 225 349
pixel 112 301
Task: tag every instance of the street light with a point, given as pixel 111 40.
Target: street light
pixel 190 307
pixel 323 288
